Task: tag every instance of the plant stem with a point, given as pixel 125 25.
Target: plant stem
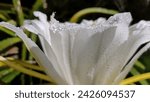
pixel 24 70
pixel 136 78
pixel 80 13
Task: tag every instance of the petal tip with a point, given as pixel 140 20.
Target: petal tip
pixel 125 18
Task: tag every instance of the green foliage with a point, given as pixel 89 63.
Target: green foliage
pixel 7 75
pixel 139 68
pixel 7 13
pixel 8 42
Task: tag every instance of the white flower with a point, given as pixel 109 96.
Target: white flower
pixel 93 52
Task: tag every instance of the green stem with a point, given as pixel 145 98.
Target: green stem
pixel 7 31
pixel 3 17
pixel 34 38
pixel 83 12
pixel 37 5
pixel 18 8
pixel 19 11
pixel 134 72
pixel 136 78
pixel 24 70
pixel 25 64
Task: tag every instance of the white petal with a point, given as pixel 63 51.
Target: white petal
pixel 38 28
pixel 128 67
pixel 100 21
pixel 136 28
pixel 87 22
pixel 36 52
pixel 43 25
pixel 52 57
pixel 54 53
pixel 40 15
pixel 84 54
pixel 34 28
pixel 143 37
pixel 125 52
pixel 46 44
pixel 60 45
pixel 116 36
pixel 120 18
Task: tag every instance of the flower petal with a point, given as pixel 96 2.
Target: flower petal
pixel 120 18
pixel 116 36
pixel 60 43
pixel 99 21
pixel 32 26
pixel 39 28
pixel 51 55
pixel 143 39
pixel 41 16
pixel 84 54
pixel 36 52
pixel 53 49
pixel 125 52
pixel 128 67
pixel 46 45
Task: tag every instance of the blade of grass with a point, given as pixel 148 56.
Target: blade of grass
pixel 18 8
pixel 37 5
pixel 8 42
pixel 134 72
pixel 26 64
pixel 9 77
pixel 139 64
pixel 2 17
pixel 7 31
pixel 6 8
pixel 5 72
pixel 138 69
pixel 2 64
pixel 12 22
pixel 24 70
pixel 135 78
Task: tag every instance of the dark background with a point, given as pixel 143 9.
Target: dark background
pixel 140 9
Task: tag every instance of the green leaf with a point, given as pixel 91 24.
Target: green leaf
pixel 3 17
pixel 139 68
pixel 37 5
pixel 7 31
pixel 24 70
pixel 26 64
pixel 140 65
pixel 5 71
pixel 7 74
pixel 8 42
pixel 18 8
pixel 9 77
pixel 135 78
pixel 134 72
pixel 145 59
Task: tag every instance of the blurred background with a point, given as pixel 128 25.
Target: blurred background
pixel 15 11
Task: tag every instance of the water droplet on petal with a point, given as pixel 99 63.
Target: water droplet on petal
pixel 120 18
